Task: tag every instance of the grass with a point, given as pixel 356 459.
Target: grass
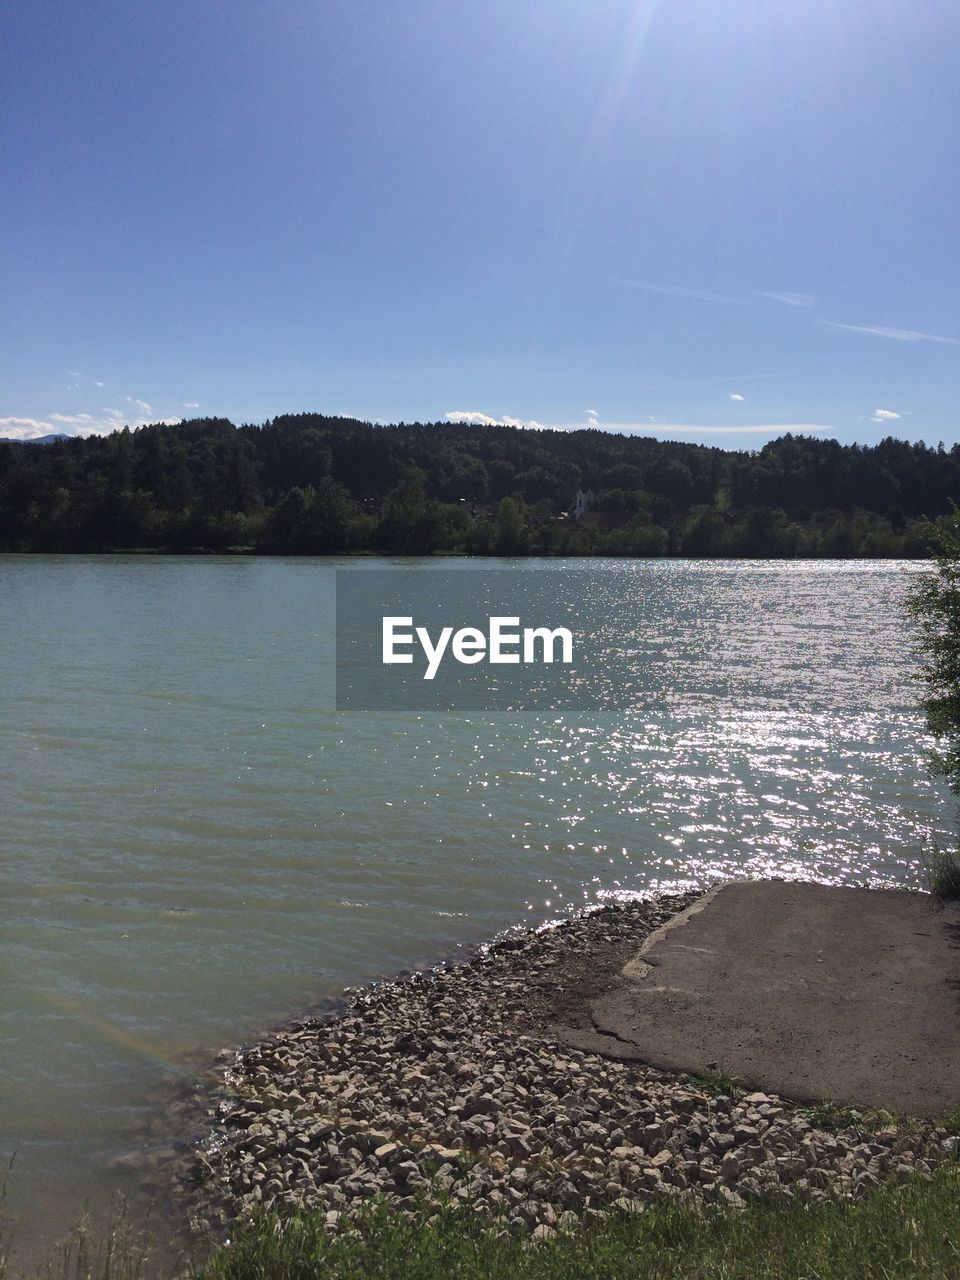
pixel 834 1116
pixel 718 1081
pixel 907 1230
pixel 121 1252
pixel 943 873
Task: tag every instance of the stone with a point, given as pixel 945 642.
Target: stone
pixel 432 1087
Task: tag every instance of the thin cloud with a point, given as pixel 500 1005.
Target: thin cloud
pixel 721 377
pixel 700 295
pixel 191 404
pixel 99 384
pixel 689 429
pixel 790 299
pixel 884 415
pixel 650 426
pixel 591 413
pixel 735 395
pixel 104 427
pixel 898 335
pixel 139 404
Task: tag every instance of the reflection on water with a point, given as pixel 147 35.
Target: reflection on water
pixel 195 845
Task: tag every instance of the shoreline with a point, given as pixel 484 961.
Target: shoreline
pixel 255 553
pixel 484 1082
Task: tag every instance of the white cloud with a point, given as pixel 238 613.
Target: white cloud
pixel 472 416
pixel 139 404
pixel 477 419
pixel 68 424
pixel 591 413
pixel 75 424
pixel 191 404
pixel 99 384
pixel 104 428
pixel 25 428
pixel 677 291
pixel 734 395
pixel 884 415
pixel 791 299
pixel 899 335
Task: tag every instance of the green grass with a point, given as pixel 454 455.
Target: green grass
pixel 943 873
pixel 906 1231
pixel 834 1116
pixel 719 1082
pixel 120 1252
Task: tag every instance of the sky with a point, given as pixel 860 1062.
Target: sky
pixel 710 220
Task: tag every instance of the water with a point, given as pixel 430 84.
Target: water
pixel 194 845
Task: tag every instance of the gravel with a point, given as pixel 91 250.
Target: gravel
pixel 456 1083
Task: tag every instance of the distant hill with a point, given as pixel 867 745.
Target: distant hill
pixel 35 439
pixel 313 485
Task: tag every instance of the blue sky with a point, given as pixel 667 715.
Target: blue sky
pixel 712 220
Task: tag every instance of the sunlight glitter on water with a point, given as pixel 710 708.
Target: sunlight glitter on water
pixel 196 845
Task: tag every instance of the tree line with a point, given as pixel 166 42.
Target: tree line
pixel 310 484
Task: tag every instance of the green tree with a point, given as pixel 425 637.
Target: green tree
pixel 411 521
pixel 704 532
pixel 935 606
pixel 511 538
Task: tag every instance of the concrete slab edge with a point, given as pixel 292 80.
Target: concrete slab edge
pixel 637 969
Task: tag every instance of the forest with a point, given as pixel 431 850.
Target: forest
pixel 306 484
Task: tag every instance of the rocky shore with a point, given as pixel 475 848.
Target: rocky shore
pixel 465 1082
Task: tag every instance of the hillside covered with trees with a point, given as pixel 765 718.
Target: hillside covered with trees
pixel 309 484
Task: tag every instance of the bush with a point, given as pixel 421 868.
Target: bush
pixel 935 607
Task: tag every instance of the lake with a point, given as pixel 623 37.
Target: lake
pixel 196 845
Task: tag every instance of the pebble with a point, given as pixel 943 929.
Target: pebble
pixel 443 1086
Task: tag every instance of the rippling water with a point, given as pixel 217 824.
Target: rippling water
pixel 195 845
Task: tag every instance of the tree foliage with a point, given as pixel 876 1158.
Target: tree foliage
pixel 310 484
pixel 935 606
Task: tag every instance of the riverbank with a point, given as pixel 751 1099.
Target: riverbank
pixel 454 1085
